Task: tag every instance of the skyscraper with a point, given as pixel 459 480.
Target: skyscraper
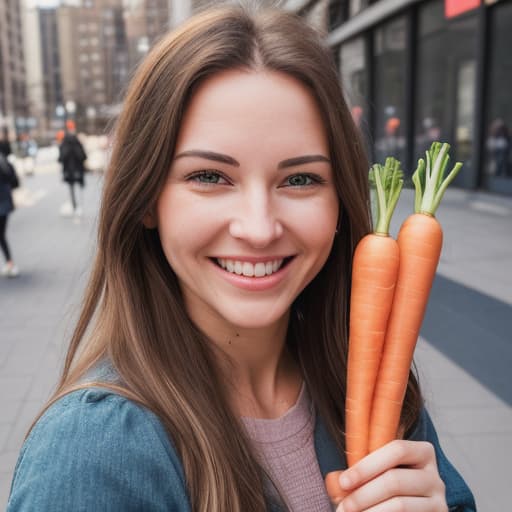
pixel 13 94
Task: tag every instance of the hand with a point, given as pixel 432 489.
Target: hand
pixel 401 476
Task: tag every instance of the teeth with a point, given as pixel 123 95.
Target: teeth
pixel 259 269
pixel 248 269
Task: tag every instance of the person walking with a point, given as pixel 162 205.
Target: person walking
pixel 8 181
pixel 72 157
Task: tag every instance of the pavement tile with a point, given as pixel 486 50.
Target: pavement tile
pixel 7 465
pixel 5 485
pixel 489 471
pixel 484 420
pixel 10 409
pixel 13 388
pixel 5 429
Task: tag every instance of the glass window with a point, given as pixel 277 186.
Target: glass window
pixel 389 68
pixel 336 14
pixel 445 84
pixel 355 80
pixel 498 161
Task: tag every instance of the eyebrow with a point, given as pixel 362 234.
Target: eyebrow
pixel 226 159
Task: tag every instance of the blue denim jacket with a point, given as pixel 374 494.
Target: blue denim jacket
pixel 96 451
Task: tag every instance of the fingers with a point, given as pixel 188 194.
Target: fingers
pixel 401 504
pixel 401 476
pixel 391 488
pixel 413 454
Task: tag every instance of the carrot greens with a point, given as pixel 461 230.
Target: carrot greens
pixel 388 181
pixel 429 178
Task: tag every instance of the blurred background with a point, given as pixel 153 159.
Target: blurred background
pixel 413 71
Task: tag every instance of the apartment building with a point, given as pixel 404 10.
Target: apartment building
pixel 14 114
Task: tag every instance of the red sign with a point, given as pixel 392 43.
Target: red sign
pixel 453 8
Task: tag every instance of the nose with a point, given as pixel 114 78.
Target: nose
pixel 255 220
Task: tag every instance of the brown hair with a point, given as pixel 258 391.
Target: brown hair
pixel 133 312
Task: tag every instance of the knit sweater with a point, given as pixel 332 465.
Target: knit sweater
pixel 285 447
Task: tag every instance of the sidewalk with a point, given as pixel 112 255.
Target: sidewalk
pixel 465 352
pixel 464 355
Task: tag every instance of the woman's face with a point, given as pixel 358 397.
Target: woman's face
pixel 248 214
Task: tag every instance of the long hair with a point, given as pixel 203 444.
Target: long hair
pixel 133 312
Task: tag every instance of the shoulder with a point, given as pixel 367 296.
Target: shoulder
pixel 458 495
pixel 96 450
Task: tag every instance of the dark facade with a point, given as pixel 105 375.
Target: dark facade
pixel 13 94
pixel 415 71
pixel 50 58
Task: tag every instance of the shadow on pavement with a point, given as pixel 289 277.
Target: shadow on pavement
pixel 473 330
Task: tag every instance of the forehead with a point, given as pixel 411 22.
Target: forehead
pixel 242 106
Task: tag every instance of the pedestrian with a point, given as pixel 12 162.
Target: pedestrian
pixel 8 182
pixel 206 372
pixel 72 156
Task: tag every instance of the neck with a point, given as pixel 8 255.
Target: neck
pixel 262 378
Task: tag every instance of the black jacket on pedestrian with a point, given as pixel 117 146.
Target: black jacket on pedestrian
pixel 72 156
pixel 8 181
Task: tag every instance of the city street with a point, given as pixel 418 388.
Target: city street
pixel 464 357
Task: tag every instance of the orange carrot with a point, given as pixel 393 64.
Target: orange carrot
pixel 419 241
pixel 374 274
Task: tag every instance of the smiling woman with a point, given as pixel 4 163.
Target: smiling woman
pixel 207 370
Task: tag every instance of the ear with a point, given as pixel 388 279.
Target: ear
pixel 149 220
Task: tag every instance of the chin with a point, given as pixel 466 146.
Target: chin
pixel 254 318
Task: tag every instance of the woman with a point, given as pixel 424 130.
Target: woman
pixel 207 370
pixel 72 156
pixel 8 181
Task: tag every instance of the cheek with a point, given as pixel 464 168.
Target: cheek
pixel 315 220
pixel 185 224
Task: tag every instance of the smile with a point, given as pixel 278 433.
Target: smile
pixel 249 269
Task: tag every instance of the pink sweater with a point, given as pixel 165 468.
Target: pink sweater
pixel 286 449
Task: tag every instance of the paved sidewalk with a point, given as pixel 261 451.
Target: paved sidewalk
pixel 464 356
pixel 465 352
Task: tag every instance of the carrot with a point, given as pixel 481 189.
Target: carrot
pixel 419 241
pixel 374 274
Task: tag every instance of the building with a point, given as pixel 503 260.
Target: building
pixel 94 60
pixel 35 85
pixel 146 21
pixel 414 71
pixel 51 70
pixel 14 118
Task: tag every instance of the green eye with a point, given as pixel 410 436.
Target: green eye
pixel 300 180
pixel 208 177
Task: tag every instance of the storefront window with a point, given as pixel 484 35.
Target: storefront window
pixel 446 82
pixel 389 69
pixel 498 161
pixel 353 70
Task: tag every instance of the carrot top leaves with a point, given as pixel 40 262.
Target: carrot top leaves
pixel 429 178
pixel 388 181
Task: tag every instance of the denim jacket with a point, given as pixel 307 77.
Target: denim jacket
pixel 96 451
